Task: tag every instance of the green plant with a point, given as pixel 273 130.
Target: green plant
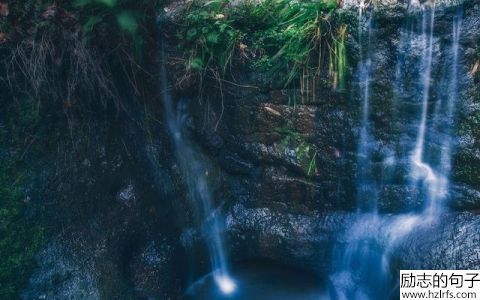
pixel 294 30
pixel 208 37
pixel 305 153
pixel 289 40
pixel 338 61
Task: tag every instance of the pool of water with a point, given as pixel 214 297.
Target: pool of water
pixel 260 280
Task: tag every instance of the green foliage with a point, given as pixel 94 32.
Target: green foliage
pixel 292 31
pixel 289 40
pixel 208 36
pixel 338 60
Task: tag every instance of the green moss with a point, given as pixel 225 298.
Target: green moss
pixel 20 237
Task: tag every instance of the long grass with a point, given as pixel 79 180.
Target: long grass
pixel 301 41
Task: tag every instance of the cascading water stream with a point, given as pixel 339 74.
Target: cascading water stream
pixel 446 150
pixel 435 180
pixel 194 171
pixel 359 266
pixel 453 94
pixel 365 185
pixel 362 270
pixel 420 169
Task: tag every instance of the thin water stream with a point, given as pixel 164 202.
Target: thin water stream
pixel 194 171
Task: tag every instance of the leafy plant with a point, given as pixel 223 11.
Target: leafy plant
pixel 290 40
pixel 208 36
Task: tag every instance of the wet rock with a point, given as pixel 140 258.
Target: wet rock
pixel 400 198
pixel 297 239
pixel 464 198
pixel 234 164
pixel 451 243
pixel 389 5
pixel 296 154
pixel 62 275
pixel 297 194
pixel 152 267
pixel 127 195
pixel 308 240
pixel 104 198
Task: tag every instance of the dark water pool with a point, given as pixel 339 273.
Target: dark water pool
pixel 260 280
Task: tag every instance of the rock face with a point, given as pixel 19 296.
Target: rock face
pixel 111 217
pixel 297 239
pixel 287 165
pixel 62 277
pixel 284 174
pixel 286 149
pixel 453 243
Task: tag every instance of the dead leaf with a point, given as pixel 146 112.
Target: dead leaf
pixel 475 68
pixel 272 111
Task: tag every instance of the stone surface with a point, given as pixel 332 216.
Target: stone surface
pixel 284 173
pixel 452 243
pixel 264 133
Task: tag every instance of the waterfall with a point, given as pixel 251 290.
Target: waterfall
pixel 194 171
pixel 361 266
pixel 366 186
pixel 435 180
pixel 420 169
pixel 446 150
pixel 359 272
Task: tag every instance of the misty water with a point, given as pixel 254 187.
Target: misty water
pixel 361 269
